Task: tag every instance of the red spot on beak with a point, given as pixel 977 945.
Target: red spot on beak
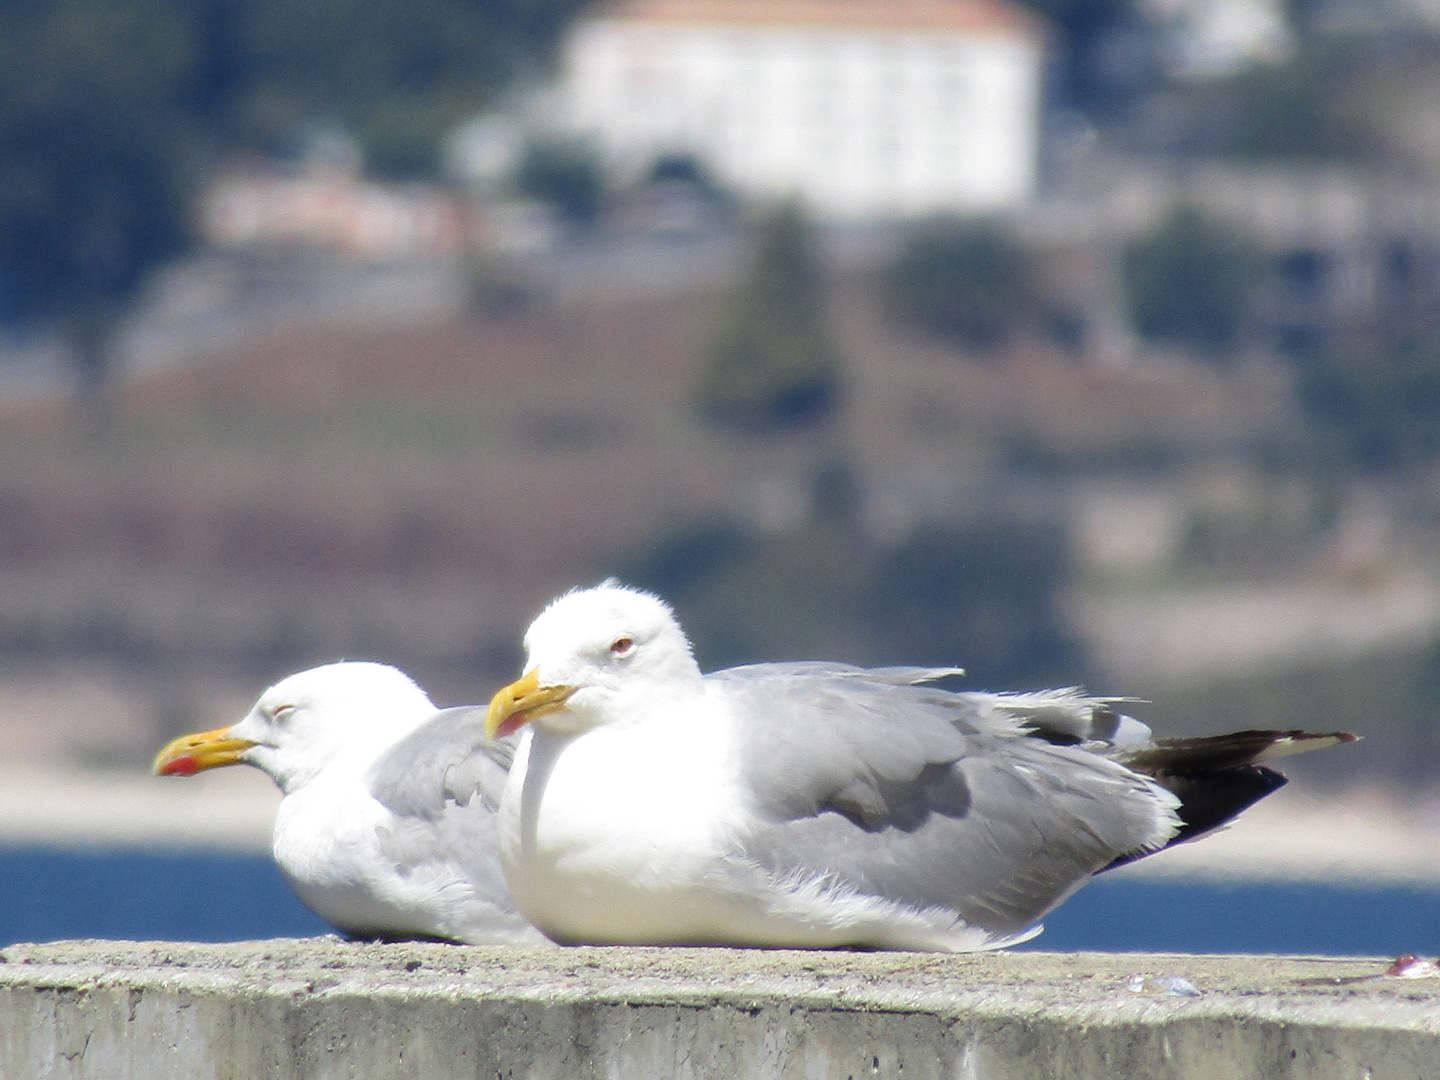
pixel 185 765
pixel 510 725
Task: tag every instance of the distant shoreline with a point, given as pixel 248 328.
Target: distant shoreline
pixel 1356 838
pixel 228 809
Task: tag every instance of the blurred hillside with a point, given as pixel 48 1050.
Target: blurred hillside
pixel 376 355
pixel 416 492
pixel 514 453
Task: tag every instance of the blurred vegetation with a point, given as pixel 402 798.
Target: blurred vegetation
pixel 93 166
pixel 1115 61
pixel 1317 106
pixel 1300 110
pixel 964 282
pixel 396 74
pixel 1190 281
pixel 1382 410
pixel 111 109
pixel 1102 58
pixel 981 594
pixel 773 364
pixel 687 169
pixel 565 175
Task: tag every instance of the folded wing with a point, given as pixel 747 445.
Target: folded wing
pixel 944 802
pixel 442 784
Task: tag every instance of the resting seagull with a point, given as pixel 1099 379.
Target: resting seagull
pixel 388 824
pixel 814 805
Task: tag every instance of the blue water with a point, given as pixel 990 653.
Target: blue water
pixel 1118 914
pixel 192 895
pixel 202 895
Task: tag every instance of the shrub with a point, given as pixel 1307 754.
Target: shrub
pixel 1190 281
pixel 773 365
pixel 961 282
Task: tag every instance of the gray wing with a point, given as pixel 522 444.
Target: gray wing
pixel 443 784
pixel 445 760
pixel 971 803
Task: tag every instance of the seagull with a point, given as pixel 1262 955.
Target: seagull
pixel 387 828
pixel 821 805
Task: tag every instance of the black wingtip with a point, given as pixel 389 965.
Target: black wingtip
pixel 1217 777
pixel 1235 750
pixel 1210 799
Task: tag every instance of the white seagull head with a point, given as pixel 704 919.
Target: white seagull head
pixel 306 721
pixel 590 656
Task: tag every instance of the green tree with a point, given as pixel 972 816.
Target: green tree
pixel 397 74
pixel 1190 281
pixel 1092 36
pixel 966 283
pixel 773 365
pixel 92 174
pixel 1311 108
pixel 565 174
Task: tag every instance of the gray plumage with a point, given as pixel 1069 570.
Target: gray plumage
pixel 819 804
pixel 443 783
pixel 934 798
pixel 446 762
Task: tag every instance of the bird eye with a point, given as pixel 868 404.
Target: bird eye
pixel 622 647
pixel 281 712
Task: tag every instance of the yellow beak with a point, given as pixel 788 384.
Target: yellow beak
pixel 521 702
pixel 190 754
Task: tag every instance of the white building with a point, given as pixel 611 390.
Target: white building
pixel 864 108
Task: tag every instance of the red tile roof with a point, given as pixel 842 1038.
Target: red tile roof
pixel 982 16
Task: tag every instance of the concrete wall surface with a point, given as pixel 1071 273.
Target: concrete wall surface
pixel 323 1008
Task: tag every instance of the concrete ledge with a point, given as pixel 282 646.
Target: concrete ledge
pixel 321 1008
